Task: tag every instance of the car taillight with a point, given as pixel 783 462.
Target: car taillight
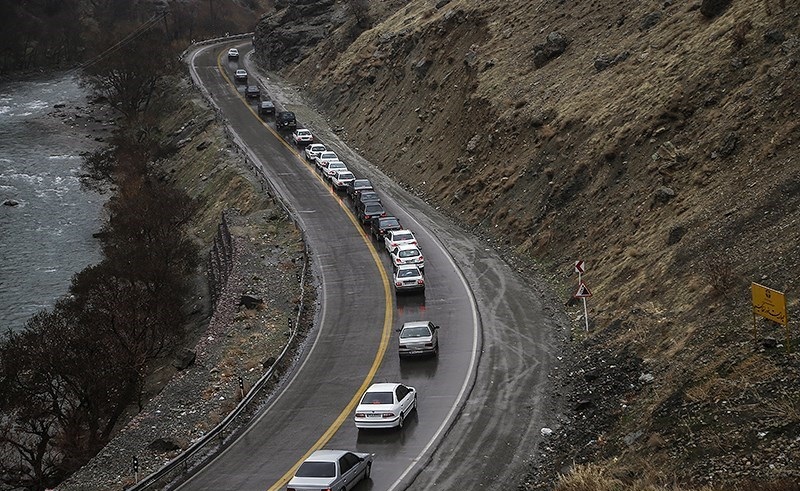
pixel 387 415
pixel 413 242
pixel 429 345
pixel 420 281
pixel 361 415
pixel 397 260
pixel 421 258
pixel 383 214
pixel 398 283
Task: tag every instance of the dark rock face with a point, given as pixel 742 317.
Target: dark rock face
pixel 292 30
pixel 712 8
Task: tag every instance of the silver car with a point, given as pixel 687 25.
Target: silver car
pixel 418 338
pixel 331 469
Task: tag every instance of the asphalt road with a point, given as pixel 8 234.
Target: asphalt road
pixel 477 425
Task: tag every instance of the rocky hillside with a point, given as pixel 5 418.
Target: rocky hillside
pixel 657 141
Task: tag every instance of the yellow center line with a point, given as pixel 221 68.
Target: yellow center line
pixel 388 316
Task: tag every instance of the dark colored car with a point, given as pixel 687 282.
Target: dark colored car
pixel 252 92
pixel 267 108
pixel 370 211
pixel 379 225
pixel 365 197
pixel 285 120
pixel 355 187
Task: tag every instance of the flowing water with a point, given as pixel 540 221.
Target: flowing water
pixel 47 236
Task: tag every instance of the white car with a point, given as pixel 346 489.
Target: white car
pixel 407 254
pixel 418 338
pixel 408 278
pixel 233 54
pixel 240 76
pixel 394 238
pixel 385 405
pixel 332 168
pixel 326 156
pixel 302 136
pixel 313 150
pixel 331 469
pixel 342 179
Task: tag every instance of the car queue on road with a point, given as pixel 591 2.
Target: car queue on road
pixel 384 405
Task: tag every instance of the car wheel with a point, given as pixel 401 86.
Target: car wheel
pixel 400 423
pixel 414 406
pixel 368 472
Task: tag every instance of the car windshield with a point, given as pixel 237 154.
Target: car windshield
pixel 317 469
pixel 398 237
pixel 408 273
pixel 415 332
pixel 377 398
pixel 409 253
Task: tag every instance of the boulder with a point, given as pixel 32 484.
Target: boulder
pixel 184 359
pixel 555 44
pixel 165 444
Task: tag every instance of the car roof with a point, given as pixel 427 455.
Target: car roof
pixel 327 455
pixel 406 247
pixel 407 266
pixel 416 324
pixel 382 386
pixel 401 231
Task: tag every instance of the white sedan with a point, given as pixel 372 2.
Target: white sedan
pixel 394 238
pixel 407 254
pixel 325 157
pixel 332 168
pixel 233 54
pixel 302 136
pixel 408 278
pixel 342 179
pixel 313 150
pixel 331 469
pixel 385 405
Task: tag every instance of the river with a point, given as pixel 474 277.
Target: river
pixel 47 235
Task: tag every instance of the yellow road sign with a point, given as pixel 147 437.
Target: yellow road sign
pixel 769 303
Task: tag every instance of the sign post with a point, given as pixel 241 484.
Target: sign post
pixel 769 304
pixel 583 292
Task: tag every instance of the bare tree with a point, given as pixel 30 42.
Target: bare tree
pixel 360 10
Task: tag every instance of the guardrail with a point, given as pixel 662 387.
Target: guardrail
pixel 213 441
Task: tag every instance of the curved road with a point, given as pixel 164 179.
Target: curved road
pixel 465 436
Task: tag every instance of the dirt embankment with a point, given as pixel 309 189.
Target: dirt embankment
pixel 657 141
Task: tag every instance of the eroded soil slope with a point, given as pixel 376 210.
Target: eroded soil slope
pixel 657 141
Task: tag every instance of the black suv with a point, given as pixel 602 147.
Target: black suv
pixel 285 120
pixel 363 198
pixel 379 225
pixel 355 188
pixel 267 108
pixel 252 92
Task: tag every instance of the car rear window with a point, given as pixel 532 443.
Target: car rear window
pixel 377 398
pixel 317 469
pixel 373 208
pixel 415 332
pixel 408 273
pixel 409 253
pixel 402 237
pixel 345 175
pixel 390 223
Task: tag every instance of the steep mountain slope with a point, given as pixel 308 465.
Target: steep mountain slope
pixel 657 141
